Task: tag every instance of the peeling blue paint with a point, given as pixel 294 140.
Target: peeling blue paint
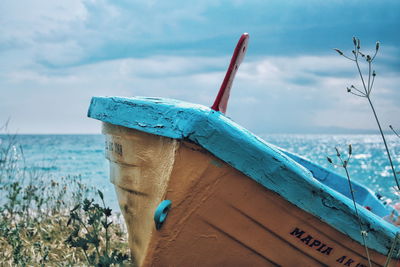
pixel 247 153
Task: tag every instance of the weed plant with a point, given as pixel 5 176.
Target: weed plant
pixel 91 233
pixel 394 131
pixel 367 83
pixel 39 225
pixel 343 163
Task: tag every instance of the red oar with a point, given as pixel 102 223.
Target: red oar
pixel 221 101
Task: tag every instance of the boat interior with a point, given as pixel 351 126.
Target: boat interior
pixel 362 194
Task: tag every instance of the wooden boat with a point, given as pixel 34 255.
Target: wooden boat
pixel 196 189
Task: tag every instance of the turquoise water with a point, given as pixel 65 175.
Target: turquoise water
pixel 68 155
pixel 369 164
pixel 62 155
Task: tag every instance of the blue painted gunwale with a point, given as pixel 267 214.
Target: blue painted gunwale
pixel 247 153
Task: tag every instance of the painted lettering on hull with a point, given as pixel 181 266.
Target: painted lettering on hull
pixel 323 248
pixel 346 261
pixel 114 147
pixel 310 241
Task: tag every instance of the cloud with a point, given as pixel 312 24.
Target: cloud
pixel 57 54
pixel 26 22
pixel 70 33
pixel 270 94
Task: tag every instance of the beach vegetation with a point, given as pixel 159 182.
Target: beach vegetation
pixel 54 221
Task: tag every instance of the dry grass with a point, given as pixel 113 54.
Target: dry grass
pixel 36 228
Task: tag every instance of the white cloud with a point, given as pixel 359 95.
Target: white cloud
pixel 57 53
pixel 266 96
pixel 25 21
pixel 70 32
pixel 161 66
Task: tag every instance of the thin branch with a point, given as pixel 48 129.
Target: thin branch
pixel 363 233
pixel 384 142
pixel 342 54
pixel 390 126
pixel 376 52
pixel 391 251
pixel 372 83
pixel 369 76
pixel 358 90
pixel 359 52
pixel 361 76
pixel 349 58
pixel 363 95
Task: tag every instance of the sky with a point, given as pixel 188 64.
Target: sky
pixel 55 55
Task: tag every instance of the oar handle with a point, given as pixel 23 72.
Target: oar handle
pixel 221 101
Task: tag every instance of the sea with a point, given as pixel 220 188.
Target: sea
pixel 83 155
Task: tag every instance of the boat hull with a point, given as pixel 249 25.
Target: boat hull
pixel 219 216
